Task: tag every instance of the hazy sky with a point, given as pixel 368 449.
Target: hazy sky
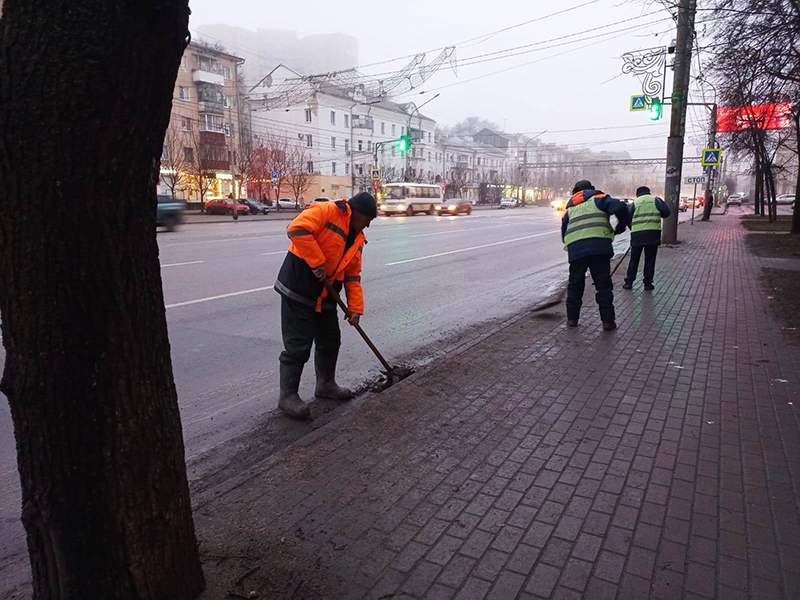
pixel 576 83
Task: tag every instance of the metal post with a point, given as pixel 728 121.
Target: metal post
pixel 680 93
pixel 694 202
pixel 233 169
pixel 712 143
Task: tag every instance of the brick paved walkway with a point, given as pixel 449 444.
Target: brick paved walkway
pixel 667 466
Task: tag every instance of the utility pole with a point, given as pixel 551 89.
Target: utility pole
pixel 712 143
pixel 233 168
pixel 677 128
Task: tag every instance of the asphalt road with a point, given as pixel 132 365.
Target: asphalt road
pixel 431 284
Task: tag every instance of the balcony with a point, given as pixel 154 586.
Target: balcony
pixel 199 76
pixel 210 106
pixel 362 122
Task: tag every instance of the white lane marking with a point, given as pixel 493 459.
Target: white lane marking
pixel 271 253
pixel 191 262
pixel 466 229
pixel 236 239
pixel 519 239
pixel 220 297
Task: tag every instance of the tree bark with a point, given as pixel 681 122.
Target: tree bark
pixel 758 196
pixel 85 90
pixel 796 211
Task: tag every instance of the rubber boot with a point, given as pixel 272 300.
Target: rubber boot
pixel 289 401
pixel 325 366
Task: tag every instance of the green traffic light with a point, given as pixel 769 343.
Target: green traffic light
pixel 403 143
pixel 655 109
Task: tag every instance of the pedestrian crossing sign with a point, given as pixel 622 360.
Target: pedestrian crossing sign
pixel 638 102
pixel 376 174
pixel 712 157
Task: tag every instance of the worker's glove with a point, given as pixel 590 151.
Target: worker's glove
pixel 619 229
pixel 319 272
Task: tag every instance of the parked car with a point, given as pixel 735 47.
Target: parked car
pixel 256 208
pixel 224 206
pixel 785 199
pixel 559 204
pixel 734 200
pixel 509 203
pixel 683 204
pixel 287 203
pixel 454 206
pixel 169 212
pixel 320 200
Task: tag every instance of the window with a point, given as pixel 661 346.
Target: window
pixel 228 127
pixel 333 168
pixel 383 149
pixel 164 153
pixel 347 168
pixel 392 150
pixel 402 129
pixel 188 154
pixel 360 169
pixel 308 115
pixel 429 156
pixel 333 143
pixel 212 123
pixel 309 141
pixel 369 146
pixel 184 93
pixel 310 167
pixel 347 120
pixel 347 145
pixel 478 161
pixel 226 101
pixel 333 117
pixel 226 72
pixel 360 145
pixel 187 124
pixel 393 129
pixel 429 137
pixel 183 63
pixel 383 127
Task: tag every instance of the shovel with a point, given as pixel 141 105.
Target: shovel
pixel 393 374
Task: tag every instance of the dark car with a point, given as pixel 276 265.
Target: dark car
pixel 256 208
pixel 169 212
pixel 454 206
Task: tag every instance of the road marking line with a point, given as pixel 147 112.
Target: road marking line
pixel 191 262
pixel 232 239
pixel 271 253
pixel 220 297
pixel 527 237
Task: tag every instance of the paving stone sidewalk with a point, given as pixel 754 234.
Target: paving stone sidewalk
pixel 661 460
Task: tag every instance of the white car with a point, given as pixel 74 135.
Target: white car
pixel 320 200
pixel 287 203
pixel 509 203
pixel 785 199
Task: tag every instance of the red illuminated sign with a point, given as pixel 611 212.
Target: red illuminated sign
pixel 758 116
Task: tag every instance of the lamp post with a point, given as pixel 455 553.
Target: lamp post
pixel 408 129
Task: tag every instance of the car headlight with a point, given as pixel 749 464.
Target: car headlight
pixel 401 206
pixel 452 207
pixel 383 207
pixel 438 207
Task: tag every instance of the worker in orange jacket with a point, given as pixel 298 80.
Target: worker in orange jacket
pixel 327 241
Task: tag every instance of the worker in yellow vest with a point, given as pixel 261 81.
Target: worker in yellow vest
pixel 647 211
pixel 587 234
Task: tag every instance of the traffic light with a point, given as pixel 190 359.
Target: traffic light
pixel 403 144
pixel 655 109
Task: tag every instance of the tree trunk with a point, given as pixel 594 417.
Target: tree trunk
pixel 796 212
pixel 85 90
pixel 757 197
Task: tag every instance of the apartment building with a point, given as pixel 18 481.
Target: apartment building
pixel 204 127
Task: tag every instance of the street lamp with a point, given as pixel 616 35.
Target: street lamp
pixel 408 128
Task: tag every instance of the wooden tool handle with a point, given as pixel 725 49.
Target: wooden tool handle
pixel 335 295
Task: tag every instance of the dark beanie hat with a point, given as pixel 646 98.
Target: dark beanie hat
pixel 583 184
pixel 365 204
pixel 642 191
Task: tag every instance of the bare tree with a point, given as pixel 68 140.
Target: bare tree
pixel 205 158
pixel 245 160
pixel 301 172
pixel 174 164
pixel 276 156
pixel 88 373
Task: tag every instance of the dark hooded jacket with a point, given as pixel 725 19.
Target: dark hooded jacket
pixel 595 246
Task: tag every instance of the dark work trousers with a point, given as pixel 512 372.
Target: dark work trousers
pixel 650 252
pixel 302 327
pixel 600 267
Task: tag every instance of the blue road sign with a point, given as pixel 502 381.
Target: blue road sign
pixel 712 157
pixel 638 102
pixel 274 174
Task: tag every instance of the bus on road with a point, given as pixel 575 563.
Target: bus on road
pixel 410 198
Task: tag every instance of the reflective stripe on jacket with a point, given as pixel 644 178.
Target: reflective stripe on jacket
pixel 319 237
pixel 587 221
pixel 646 216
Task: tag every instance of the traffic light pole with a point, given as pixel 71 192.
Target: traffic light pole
pixel 712 143
pixel 680 94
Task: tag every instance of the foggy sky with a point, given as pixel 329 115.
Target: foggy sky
pixel 582 88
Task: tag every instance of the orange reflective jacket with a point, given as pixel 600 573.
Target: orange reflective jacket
pixel 319 237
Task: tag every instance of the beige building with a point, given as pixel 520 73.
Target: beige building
pixel 204 127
